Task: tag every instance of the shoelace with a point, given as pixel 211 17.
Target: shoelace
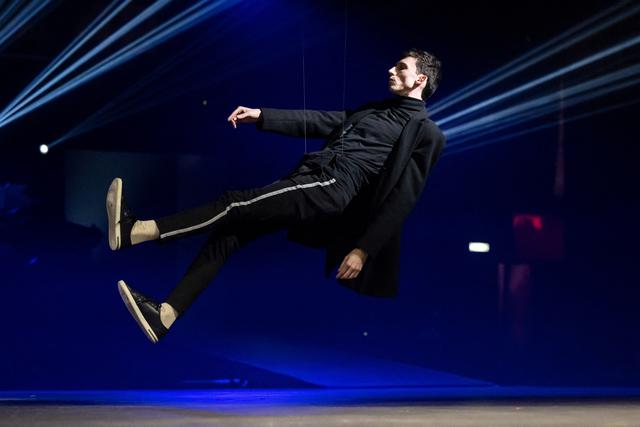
pixel 140 299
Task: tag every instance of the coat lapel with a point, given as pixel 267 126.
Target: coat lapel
pixel 399 156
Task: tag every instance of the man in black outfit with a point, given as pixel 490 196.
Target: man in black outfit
pixel 350 198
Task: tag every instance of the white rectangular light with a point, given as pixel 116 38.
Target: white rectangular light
pixel 479 247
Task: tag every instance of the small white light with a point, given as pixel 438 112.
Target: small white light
pixel 204 102
pixel 44 149
pixel 479 247
pixel 365 333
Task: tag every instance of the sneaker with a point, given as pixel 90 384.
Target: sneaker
pixel 145 311
pixel 121 220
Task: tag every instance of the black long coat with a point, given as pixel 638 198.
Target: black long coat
pixel 373 220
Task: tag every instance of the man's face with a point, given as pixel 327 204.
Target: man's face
pixel 403 77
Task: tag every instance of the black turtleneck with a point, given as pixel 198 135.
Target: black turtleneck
pixel 364 148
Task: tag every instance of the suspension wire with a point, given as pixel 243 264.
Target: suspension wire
pixel 344 78
pixel 304 90
pixel 344 82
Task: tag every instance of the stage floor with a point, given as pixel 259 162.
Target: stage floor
pixel 487 406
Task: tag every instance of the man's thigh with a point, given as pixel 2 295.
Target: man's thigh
pixel 289 201
pixel 284 203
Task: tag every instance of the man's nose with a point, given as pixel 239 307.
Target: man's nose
pixel 392 71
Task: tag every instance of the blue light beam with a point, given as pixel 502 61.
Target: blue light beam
pixel 548 49
pixel 544 110
pixel 8 11
pixel 588 87
pixel 150 40
pixel 633 41
pixel 136 98
pixel 139 19
pixel 21 19
pixel 100 117
pixel 510 119
pixel 76 44
pixel 466 147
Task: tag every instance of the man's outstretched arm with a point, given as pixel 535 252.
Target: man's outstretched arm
pixel 309 123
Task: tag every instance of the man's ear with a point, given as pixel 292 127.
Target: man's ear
pixel 422 78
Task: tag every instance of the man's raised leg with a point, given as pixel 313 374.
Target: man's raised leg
pixel 124 228
pixel 233 219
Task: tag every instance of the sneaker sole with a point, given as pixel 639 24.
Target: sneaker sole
pixel 135 311
pixel 114 199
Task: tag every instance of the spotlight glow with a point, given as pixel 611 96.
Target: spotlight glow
pixel 44 149
pixel 481 247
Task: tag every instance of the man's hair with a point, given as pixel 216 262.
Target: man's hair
pixel 428 65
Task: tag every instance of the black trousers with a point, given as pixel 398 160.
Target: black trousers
pixel 238 217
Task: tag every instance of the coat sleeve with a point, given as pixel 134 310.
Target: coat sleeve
pixel 401 200
pixel 319 124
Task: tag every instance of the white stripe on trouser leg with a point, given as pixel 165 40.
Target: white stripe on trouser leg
pixel 248 202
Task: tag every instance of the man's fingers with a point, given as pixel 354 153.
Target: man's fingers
pixel 234 116
pixel 345 274
pixel 342 269
pixel 348 273
pixel 351 265
pixel 354 266
pixel 353 272
pixel 349 269
pixel 235 113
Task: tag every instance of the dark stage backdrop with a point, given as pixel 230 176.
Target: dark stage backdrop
pixel 554 302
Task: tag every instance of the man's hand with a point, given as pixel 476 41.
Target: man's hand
pixel 244 115
pixel 352 264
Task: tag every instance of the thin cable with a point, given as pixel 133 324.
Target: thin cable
pixel 304 92
pixel 344 78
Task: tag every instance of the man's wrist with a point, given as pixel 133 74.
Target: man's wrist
pixel 260 120
pixel 362 253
